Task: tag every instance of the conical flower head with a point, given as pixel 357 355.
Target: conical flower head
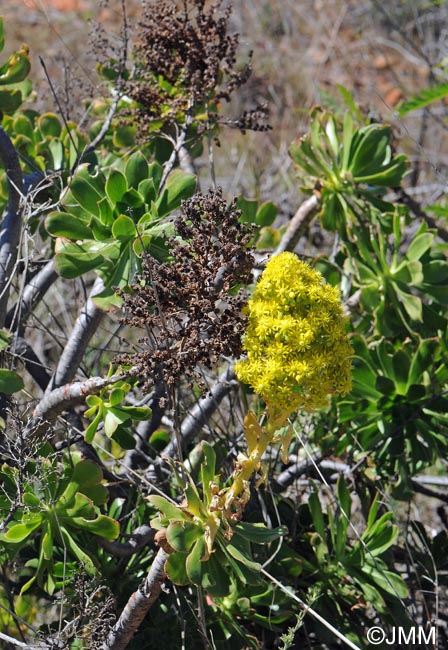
pixel 297 348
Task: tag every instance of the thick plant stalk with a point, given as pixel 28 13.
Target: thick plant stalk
pixel 138 605
pixel 83 330
pixel 11 224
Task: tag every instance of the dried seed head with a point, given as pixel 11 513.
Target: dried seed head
pixel 191 307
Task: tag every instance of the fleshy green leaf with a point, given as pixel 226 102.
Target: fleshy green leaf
pixel 390 582
pixel 240 557
pixel 77 551
pixel 208 469
pixel 124 228
pixel 258 533
pixel 5 338
pixel 116 185
pixel 266 214
pixel 182 534
pixel 316 513
pixel 170 510
pixel 411 303
pixel 49 125
pixel 176 570
pixel 102 525
pixel 86 189
pixel 16 68
pixel 179 186
pixel 114 417
pixel 10 100
pixel 248 209
pixel 10 381
pixel 419 246
pixel 194 563
pixel 19 532
pixel 63 224
pixel 136 170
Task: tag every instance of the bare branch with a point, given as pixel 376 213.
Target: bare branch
pixel 65 397
pixel 429 492
pixel 298 225
pixel 101 134
pixel 186 161
pixel 296 229
pixel 178 146
pixel 11 224
pixel 31 296
pixel 58 104
pixel 21 644
pixel 32 363
pixel 203 410
pixel 142 536
pixel 291 473
pixel 352 303
pixel 83 330
pixel 138 605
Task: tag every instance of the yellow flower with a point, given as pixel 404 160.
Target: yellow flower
pixel 297 347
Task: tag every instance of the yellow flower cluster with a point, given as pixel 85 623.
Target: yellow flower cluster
pixel 297 347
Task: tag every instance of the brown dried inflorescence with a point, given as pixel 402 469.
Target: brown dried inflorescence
pixel 253 120
pixel 191 307
pixel 184 59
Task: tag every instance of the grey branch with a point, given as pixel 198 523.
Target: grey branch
pixel 21 644
pixel 102 132
pixel 142 536
pixel 298 225
pixel 186 161
pixel 32 363
pixel 11 224
pixel 83 330
pixel 65 397
pixel 429 492
pixel 291 473
pixel 204 409
pixel 352 303
pixel 178 147
pixel 31 296
pixel 137 606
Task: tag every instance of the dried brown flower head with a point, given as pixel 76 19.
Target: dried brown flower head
pixel 184 62
pixel 253 120
pixel 191 307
